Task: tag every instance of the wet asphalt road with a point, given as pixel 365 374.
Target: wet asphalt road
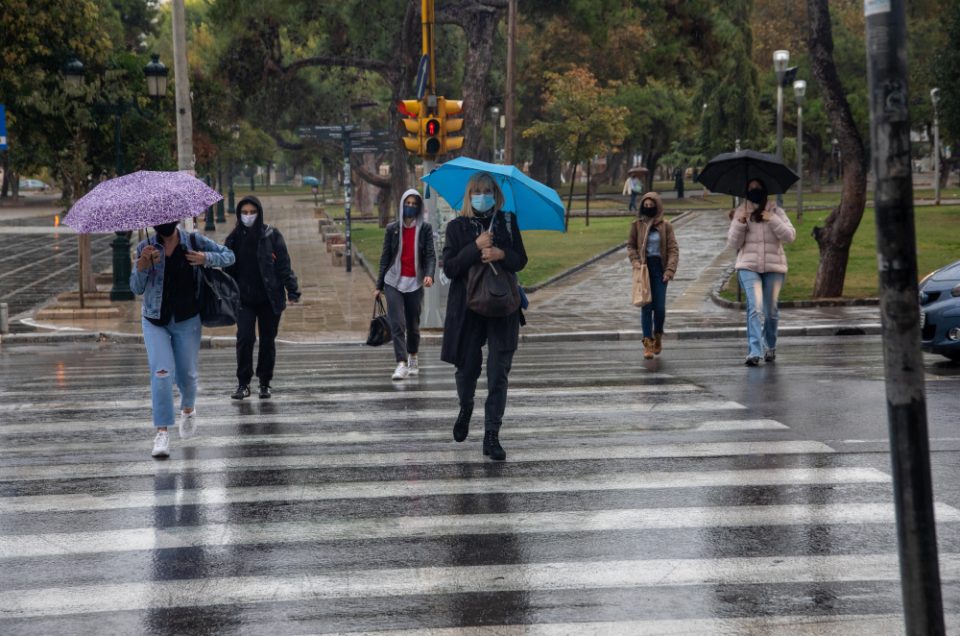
pixel 688 495
pixel 36 267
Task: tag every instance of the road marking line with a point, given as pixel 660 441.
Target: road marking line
pixel 75 543
pixel 540 577
pixel 212 496
pixel 62 471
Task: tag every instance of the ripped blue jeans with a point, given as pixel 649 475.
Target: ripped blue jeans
pixel 763 316
pixel 174 353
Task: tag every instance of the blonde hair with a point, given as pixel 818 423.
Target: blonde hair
pixel 475 184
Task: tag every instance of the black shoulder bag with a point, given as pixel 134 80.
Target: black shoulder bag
pixel 219 295
pixel 492 292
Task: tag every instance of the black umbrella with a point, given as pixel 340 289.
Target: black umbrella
pixel 730 172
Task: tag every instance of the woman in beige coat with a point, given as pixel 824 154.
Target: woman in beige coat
pixel 652 242
pixel 758 230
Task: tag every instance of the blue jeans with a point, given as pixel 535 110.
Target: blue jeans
pixel 654 312
pixel 176 347
pixel 763 315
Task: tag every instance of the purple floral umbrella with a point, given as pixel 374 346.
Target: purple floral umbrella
pixel 140 200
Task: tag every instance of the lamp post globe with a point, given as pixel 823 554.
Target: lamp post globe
pixel 780 60
pixel 156 73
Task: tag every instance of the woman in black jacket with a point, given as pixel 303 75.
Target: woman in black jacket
pixel 266 281
pixel 407 263
pixel 481 234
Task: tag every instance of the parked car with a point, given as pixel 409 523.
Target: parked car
pixel 33 184
pixel 940 311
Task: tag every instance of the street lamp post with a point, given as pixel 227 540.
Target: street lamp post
pixel 780 60
pixel 799 90
pixel 935 98
pixel 156 75
pixel 494 119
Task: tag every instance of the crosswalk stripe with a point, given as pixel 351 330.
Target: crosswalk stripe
pixel 426 488
pixel 517 455
pixel 793 625
pixel 75 543
pixel 560 423
pixel 323 398
pixel 130 596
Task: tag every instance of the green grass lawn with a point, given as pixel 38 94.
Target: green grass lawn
pixel 938 243
pixel 549 253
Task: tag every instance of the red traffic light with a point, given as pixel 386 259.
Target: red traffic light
pixel 432 127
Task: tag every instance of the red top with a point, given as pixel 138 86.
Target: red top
pixel 408 263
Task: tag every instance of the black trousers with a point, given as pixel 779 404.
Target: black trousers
pixel 251 316
pixel 498 369
pixel 403 312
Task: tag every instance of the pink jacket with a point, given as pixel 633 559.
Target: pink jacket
pixel 760 245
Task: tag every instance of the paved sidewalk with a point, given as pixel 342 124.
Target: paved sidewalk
pixel 597 298
pixel 593 302
pixel 335 305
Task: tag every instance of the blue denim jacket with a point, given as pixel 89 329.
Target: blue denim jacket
pixel 149 283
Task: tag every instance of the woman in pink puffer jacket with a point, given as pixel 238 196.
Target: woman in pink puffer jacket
pixel 758 230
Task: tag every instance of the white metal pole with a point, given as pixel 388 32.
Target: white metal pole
pixel 181 77
pixel 799 162
pixel 434 298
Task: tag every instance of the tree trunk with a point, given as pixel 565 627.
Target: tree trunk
pixel 545 166
pixel 609 174
pixel 841 224
pixel 6 176
pixel 479 20
pixel 589 166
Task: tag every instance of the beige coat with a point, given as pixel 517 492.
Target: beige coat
pixel 640 230
pixel 760 245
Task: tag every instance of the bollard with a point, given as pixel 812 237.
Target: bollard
pixel 4 318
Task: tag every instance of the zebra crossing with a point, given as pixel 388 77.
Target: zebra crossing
pixel 633 501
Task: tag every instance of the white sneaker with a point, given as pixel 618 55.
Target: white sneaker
pixel 188 424
pixel 413 367
pixel 161 445
pixel 402 371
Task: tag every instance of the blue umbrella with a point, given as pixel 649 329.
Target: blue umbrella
pixel 311 181
pixel 537 206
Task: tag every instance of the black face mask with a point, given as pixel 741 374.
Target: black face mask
pixel 651 212
pixel 165 230
pixel 755 196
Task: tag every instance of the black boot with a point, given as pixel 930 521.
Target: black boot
pixel 492 447
pixel 462 426
pixel 265 392
pixel 243 391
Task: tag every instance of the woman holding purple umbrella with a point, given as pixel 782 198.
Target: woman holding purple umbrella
pixel 167 275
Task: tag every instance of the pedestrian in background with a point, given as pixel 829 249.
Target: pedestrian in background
pixel 266 280
pixel 652 241
pixel 758 231
pixel 167 275
pixel 481 234
pixel 407 264
pixel 634 187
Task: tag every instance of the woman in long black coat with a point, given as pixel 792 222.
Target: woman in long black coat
pixel 481 234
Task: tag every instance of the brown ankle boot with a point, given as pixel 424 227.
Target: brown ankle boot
pixel 657 343
pixel 648 348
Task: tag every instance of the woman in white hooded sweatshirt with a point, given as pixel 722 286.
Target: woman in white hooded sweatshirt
pixel 407 264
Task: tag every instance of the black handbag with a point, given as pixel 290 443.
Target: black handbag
pixel 379 325
pixel 219 296
pixel 492 292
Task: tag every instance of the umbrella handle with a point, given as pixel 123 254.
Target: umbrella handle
pixel 495 272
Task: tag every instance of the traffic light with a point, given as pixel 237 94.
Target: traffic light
pixel 432 136
pixel 451 112
pixel 411 110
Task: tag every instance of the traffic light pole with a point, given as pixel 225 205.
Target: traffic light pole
pixel 434 298
pixel 900 316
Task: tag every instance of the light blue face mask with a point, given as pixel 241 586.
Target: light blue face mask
pixel 482 202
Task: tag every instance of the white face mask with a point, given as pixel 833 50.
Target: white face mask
pixel 248 219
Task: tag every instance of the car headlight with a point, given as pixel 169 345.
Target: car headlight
pixel 955 291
